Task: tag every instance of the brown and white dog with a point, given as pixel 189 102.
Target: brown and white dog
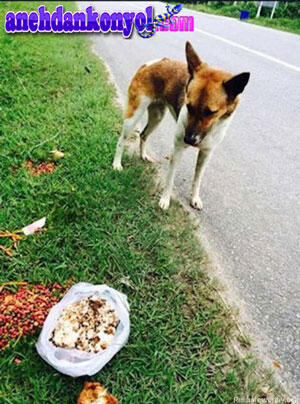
pixel 201 99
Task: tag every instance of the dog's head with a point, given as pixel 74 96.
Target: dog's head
pixel 211 95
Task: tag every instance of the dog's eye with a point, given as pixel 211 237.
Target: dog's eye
pixel 190 108
pixel 207 112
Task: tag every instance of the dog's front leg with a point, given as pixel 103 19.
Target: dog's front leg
pixel 202 160
pixel 175 160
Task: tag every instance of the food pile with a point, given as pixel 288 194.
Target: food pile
pixel 24 311
pixel 94 393
pixel 88 325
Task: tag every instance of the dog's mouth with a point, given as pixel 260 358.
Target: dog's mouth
pixel 192 143
pixel 192 140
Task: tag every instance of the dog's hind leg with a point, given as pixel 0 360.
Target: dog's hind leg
pixel 156 111
pixel 132 116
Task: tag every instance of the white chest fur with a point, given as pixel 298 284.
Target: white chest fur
pixel 213 137
pixel 216 134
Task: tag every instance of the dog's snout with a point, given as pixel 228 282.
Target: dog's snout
pixel 190 138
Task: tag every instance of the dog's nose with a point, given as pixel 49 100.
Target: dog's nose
pixel 190 138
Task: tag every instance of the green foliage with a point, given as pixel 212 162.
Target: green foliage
pixel 288 9
pixel 231 10
pixel 286 17
pixel 284 9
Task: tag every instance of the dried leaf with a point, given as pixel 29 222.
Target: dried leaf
pixel 57 154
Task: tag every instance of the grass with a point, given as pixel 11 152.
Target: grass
pixel 284 24
pixel 103 227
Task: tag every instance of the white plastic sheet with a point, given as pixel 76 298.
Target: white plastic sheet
pixel 74 362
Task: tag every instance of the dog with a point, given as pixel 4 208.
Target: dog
pixel 201 99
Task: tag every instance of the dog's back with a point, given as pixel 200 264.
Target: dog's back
pixel 161 80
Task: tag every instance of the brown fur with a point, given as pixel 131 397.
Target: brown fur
pixel 91 392
pixel 205 92
pixel 164 79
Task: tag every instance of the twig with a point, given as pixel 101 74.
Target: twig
pixel 45 141
pixel 15 240
pixel 6 250
pixel 3 285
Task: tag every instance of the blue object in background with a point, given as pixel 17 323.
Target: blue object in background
pixel 244 15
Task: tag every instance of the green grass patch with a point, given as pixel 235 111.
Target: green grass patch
pixel 230 10
pixel 102 227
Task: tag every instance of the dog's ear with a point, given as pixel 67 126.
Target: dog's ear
pixel 236 85
pixel 192 58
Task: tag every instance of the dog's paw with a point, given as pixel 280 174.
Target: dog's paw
pixel 117 166
pixel 164 203
pixel 196 203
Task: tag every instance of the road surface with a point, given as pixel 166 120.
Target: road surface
pixel 251 187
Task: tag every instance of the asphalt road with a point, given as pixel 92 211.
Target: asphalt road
pixel 251 187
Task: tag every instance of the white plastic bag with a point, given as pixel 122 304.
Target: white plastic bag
pixel 74 362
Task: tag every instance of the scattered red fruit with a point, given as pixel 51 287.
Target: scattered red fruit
pixel 17 361
pixel 57 286
pixel 42 168
pixel 23 312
